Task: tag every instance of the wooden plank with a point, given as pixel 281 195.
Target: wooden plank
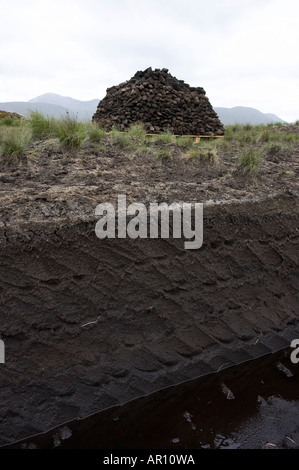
pixel 196 137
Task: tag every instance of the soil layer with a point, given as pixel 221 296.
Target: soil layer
pixel 89 324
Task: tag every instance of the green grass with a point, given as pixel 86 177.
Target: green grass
pixel 137 132
pixel 10 122
pixel 248 134
pixel 42 127
pixel 166 138
pixel 247 127
pixel 265 136
pixel 288 138
pixel 185 142
pixel 244 134
pixel 93 132
pixel 14 142
pixel 250 160
pixel 207 153
pixel 249 143
pixel 70 132
pixel 134 139
pixel 163 154
pixel 120 139
pixel 274 148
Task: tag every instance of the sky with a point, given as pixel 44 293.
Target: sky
pixel 242 52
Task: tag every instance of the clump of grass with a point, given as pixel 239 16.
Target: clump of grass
pixel 121 139
pixel 133 139
pixel 10 122
pixel 244 134
pixel 145 150
pixel 186 142
pixel 284 137
pixel 265 136
pixel 137 132
pixel 93 132
pixel 70 132
pixel 291 138
pixel 163 154
pixel 274 148
pixel 166 138
pixel 247 139
pixel 229 135
pixel 43 127
pixel 250 160
pixel 223 144
pixel 14 143
pixel 205 153
pixel 235 128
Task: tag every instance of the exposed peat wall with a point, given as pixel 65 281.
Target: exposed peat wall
pixel 89 323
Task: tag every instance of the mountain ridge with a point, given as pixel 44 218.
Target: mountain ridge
pixel 245 115
pixel 56 105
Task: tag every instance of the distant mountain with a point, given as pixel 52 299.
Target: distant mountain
pixel 54 105
pixel 84 110
pixel 274 118
pixel 51 104
pixel 24 108
pixel 244 115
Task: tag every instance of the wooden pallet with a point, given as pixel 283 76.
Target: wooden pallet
pixel 195 137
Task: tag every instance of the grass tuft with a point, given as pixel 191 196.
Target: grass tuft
pixel 163 154
pixel 93 132
pixel 10 122
pixel 166 138
pixel 120 139
pixel 42 127
pixel 14 143
pixel 186 142
pixel 137 132
pixel 274 148
pixel 70 132
pixel 250 160
pixel 203 153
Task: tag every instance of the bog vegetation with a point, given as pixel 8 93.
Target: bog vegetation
pixel 246 144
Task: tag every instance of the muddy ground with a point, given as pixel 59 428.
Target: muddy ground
pixel 89 324
pixel 52 183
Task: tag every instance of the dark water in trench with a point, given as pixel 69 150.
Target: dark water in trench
pixel 254 405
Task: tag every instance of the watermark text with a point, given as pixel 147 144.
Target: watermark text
pixel 295 353
pixel 187 221
pixel 2 352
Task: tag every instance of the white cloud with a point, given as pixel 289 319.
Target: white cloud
pixel 242 52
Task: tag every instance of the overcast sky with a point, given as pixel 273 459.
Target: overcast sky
pixel 242 52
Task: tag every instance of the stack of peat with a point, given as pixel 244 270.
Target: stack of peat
pixel 161 102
